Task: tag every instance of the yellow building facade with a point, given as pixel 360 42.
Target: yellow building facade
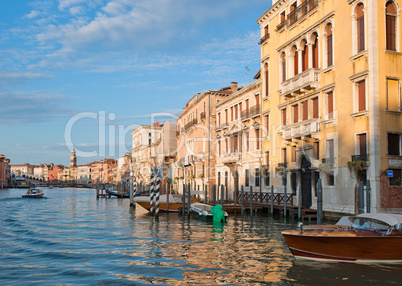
pixel 331 85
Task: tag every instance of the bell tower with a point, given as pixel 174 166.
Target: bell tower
pixel 73 159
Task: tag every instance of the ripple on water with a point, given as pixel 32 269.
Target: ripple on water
pixel 73 238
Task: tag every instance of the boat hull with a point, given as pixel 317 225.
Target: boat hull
pixel 175 203
pixel 347 245
pixel 36 196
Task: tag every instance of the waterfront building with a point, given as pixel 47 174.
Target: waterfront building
pixel 5 172
pixel 84 174
pixel 23 168
pixel 331 84
pixel 196 144
pixel 123 168
pixel 239 129
pixel 145 139
pixel 103 171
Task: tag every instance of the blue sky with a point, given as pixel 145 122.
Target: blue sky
pixel 67 64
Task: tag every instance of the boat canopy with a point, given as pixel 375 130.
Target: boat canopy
pixel 389 219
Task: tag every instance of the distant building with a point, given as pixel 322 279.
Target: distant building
pixel 84 174
pixel 5 172
pixel 23 168
pixel 196 146
pixel 73 159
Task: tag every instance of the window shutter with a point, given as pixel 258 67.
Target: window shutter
pixel 329 50
pixel 330 105
pixel 362 95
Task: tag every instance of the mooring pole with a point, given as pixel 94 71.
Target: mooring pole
pixel 272 199
pixel 206 194
pixel 285 195
pixel 222 192
pixel 152 193
pixel 242 200
pixel 157 191
pixel 251 201
pixel 299 203
pixel 184 199
pixel 188 198
pixel 319 202
pixel 361 197
pixel 368 197
pixel 214 195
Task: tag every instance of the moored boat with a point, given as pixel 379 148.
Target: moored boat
pixel 118 194
pixel 204 210
pixel 175 202
pixel 33 193
pixel 362 238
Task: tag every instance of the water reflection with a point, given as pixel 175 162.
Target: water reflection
pixel 73 238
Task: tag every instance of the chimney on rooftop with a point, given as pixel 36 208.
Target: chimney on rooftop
pixel 234 86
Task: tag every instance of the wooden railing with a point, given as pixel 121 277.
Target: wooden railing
pixel 263 39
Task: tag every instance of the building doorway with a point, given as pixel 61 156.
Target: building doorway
pixel 305 181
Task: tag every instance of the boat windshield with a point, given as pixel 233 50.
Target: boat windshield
pixel 368 223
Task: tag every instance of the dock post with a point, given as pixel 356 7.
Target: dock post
pixel 299 203
pixel 242 200
pixel 319 202
pixel 222 192
pixel 361 197
pixel 368 197
pixel 206 194
pixel 97 192
pixel 272 199
pixel 285 195
pixel 251 201
pixel 184 199
pixel 152 194
pixel 214 195
pixel 157 191
pixel 167 196
pixel 188 198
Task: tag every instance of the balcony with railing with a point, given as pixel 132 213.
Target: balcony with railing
pixel 307 80
pixel 328 160
pixel 362 157
pixel 190 124
pixel 301 11
pixel 304 128
pixel 280 25
pixel 231 158
pixel 263 39
pixel 222 126
pixel 251 112
pixel 203 115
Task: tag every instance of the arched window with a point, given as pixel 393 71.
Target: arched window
pixel 360 28
pixel 328 31
pixel 304 56
pixel 391 25
pixel 314 51
pixel 296 61
pixel 283 61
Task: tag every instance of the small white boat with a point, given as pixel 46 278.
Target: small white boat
pixel 33 193
pixel 203 210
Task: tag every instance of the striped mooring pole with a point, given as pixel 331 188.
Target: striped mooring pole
pixel 157 190
pixel 151 194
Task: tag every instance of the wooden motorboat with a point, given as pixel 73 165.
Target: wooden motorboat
pixel 175 202
pixel 362 238
pixel 203 210
pixel 33 193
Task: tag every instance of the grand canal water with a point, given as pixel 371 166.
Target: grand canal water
pixel 71 238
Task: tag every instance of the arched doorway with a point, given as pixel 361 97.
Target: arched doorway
pixel 305 181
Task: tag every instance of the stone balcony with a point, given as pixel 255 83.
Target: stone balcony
pixel 231 158
pixel 300 129
pixel 301 83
